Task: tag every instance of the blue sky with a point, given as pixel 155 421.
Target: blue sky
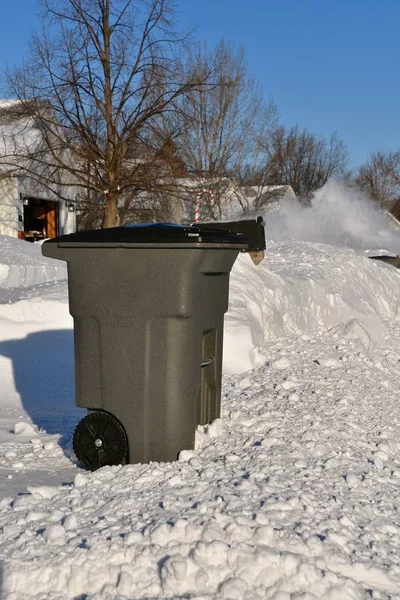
pixel 328 64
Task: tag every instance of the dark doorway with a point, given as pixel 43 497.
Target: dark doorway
pixel 40 219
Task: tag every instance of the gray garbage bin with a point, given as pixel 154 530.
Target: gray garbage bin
pixel 148 303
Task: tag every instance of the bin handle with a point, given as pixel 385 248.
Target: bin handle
pixel 206 362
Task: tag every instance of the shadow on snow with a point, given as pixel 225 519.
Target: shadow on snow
pixel 43 367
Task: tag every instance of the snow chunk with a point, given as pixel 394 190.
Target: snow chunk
pixel 44 491
pixel 289 385
pixel 281 363
pixel 80 480
pixel 245 383
pixel 70 522
pixel 204 432
pixel 352 480
pixel 333 363
pixel 187 455
pixel 216 428
pixel 24 429
pixel 234 588
pixel 54 535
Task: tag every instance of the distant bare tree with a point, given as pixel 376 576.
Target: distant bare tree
pixel 98 77
pixel 217 128
pixel 380 177
pixel 303 160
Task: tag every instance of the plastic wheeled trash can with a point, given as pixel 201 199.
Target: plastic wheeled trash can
pixel 148 303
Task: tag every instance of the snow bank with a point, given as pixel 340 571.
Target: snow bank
pixel 300 287
pixel 22 264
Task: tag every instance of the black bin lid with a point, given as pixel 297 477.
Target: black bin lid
pixel 158 234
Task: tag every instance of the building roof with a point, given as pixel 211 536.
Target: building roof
pixel 19 136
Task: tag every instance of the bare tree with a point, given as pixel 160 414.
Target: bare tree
pixel 303 160
pixel 98 77
pixel 217 128
pixel 380 177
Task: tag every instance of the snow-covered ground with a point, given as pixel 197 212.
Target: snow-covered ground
pixel 292 495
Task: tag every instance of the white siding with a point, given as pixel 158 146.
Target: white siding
pixel 9 206
pixel 66 219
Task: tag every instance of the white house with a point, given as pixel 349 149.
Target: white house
pixel 201 199
pixel 29 210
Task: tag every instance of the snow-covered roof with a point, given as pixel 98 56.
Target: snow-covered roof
pixel 270 191
pixel 19 137
pixel 7 102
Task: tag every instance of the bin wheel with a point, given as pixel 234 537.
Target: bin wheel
pixel 99 440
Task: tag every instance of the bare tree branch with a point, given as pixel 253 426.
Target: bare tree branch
pixel 380 178
pixel 303 160
pixel 97 78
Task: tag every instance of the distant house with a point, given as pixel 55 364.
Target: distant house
pixel 262 199
pixel 200 199
pixel 29 209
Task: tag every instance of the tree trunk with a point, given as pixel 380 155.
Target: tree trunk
pixel 111 216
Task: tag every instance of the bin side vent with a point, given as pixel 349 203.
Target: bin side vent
pixel 209 393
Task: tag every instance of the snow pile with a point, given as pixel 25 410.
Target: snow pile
pixel 22 264
pixel 302 286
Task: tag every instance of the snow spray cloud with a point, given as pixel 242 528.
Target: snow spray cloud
pixel 338 215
